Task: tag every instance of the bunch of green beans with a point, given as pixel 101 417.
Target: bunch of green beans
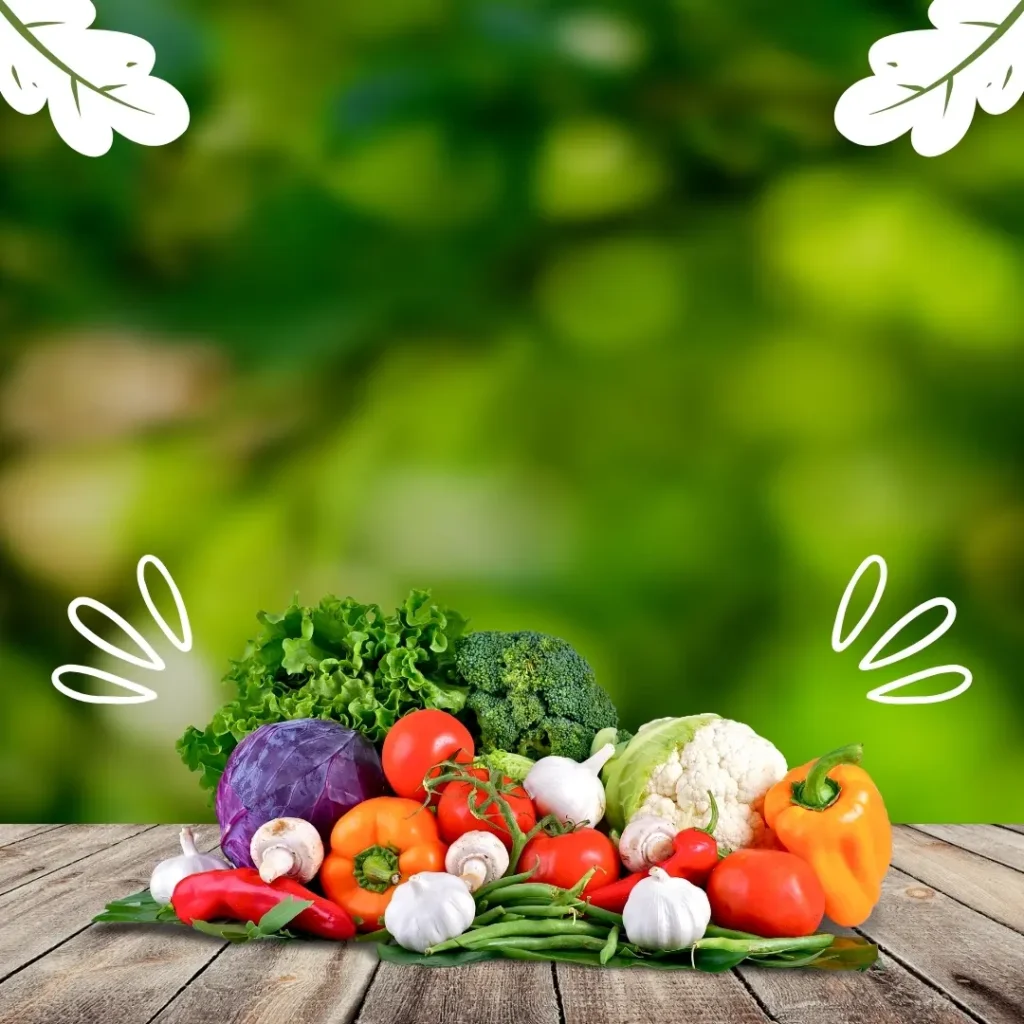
pixel 527 920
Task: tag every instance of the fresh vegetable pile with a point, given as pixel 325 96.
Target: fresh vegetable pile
pixel 376 780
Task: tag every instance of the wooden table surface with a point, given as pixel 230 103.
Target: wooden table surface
pixel 950 927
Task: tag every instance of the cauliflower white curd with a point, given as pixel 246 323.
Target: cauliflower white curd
pixel 669 766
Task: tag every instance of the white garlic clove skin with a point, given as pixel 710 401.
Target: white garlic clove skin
pixel 168 873
pixel 665 913
pixel 429 908
pixel 287 848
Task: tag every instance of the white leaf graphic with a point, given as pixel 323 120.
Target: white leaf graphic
pixel 95 82
pixel 929 82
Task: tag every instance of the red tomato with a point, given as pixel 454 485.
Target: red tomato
pixel 564 860
pixel 417 742
pixel 766 892
pixel 454 817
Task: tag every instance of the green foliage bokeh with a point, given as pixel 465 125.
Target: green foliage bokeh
pixel 582 315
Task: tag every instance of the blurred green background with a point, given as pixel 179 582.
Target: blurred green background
pixel 582 315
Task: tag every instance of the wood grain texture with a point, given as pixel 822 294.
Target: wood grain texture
pixel 271 982
pixel 44 852
pixel 14 833
pixel 1013 828
pixel 992 889
pixel 44 913
pixel 886 995
pixel 973 960
pixel 999 844
pixel 496 992
pixel 123 973
pixel 635 996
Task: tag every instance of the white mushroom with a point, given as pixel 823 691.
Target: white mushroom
pixel 645 842
pixel 477 858
pixel 287 848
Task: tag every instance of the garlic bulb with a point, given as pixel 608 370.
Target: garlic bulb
pixel 646 841
pixel 663 912
pixel 477 858
pixel 570 790
pixel 168 873
pixel 287 848
pixel 431 907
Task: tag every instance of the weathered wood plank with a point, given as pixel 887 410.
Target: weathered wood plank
pixel 590 995
pixel 39 854
pixel 975 961
pixel 1014 828
pixel 270 982
pixel 496 991
pixel 991 842
pixel 885 995
pixel 15 833
pixel 992 889
pixel 44 913
pixel 122 973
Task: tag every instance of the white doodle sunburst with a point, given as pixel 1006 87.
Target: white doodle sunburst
pixel 930 82
pixel 875 659
pixel 95 82
pixel 151 662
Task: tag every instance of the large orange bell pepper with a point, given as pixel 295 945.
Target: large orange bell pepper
pixel 374 847
pixel 830 814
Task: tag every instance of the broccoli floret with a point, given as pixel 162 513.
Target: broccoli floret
pixel 532 694
pixel 557 736
pixel 496 730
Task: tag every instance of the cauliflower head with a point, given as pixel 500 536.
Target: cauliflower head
pixel 669 766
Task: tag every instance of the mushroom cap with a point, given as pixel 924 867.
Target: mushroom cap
pixel 287 847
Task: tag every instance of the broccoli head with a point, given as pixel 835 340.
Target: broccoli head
pixel 531 694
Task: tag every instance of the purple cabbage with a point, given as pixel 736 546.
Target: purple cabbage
pixel 306 768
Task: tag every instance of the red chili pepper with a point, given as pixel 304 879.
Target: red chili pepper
pixel 241 895
pixel 694 854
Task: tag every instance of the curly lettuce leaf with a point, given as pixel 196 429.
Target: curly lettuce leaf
pixel 341 660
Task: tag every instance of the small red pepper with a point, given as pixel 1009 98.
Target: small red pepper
pixel 241 895
pixel 694 855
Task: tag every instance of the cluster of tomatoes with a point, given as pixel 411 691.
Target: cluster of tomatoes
pixel 418 742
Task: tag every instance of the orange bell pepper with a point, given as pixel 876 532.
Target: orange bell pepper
pixel 374 847
pixel 830 814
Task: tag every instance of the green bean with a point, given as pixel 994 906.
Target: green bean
pixel 609 948
pixel 500 883
pixel 564 956
pixel 540 910
pixel 488 916
pixel 598 913
pixel 381 935
pixel 582 942
pixel 526 927
pixel 533 891
pixel 753 947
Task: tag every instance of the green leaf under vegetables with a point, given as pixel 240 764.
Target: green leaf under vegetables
pixel 342 661
pixel 139 908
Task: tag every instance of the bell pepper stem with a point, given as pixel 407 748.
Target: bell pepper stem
pixel 818 791
pixel 376 868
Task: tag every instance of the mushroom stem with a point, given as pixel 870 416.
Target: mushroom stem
pixel 474 872
pixel 278 862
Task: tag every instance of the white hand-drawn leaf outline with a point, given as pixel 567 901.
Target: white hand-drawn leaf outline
pixel 95 82
pixel 929 82
pixel 151 662
pixel 876 659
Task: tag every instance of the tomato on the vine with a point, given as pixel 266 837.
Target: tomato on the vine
pixel 766 892
pixel 417 742
pixel 454 817
pixel 564 860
